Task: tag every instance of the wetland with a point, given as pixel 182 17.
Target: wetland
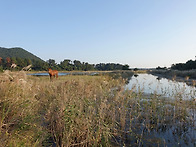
pixel 113 109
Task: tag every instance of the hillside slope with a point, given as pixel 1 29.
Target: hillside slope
pixel 17 52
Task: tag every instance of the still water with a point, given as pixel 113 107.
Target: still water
pixel 151 84
pixel 46 74
pixel 65 74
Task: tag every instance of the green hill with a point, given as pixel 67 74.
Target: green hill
pixel 17 53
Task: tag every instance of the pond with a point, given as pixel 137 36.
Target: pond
pixel 151 84
pixel 64 73
pixel 46 74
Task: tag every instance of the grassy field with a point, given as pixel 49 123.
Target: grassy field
pixel 87 111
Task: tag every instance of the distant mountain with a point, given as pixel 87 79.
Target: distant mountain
pixel 17 52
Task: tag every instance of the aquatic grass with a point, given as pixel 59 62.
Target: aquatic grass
pixel 156 115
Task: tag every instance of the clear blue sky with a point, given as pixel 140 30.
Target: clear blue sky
pixel 140 33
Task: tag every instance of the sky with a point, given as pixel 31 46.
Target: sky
pixel 140 33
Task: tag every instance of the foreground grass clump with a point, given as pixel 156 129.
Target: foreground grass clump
pixel 73 110
pixel 78 110
pixel 18 113
pixel 87 111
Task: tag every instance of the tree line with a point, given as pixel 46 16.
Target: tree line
pixel 189 65
pixel 68 65
pixel 85 66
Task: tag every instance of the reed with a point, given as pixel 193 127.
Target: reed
pixel 85 111
pixel 171 73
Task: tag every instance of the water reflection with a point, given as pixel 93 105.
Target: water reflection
pixel 158 121
pixel 151 84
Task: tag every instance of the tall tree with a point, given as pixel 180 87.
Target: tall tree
pixel 125 67
pixel 52 63
pixel 66 65
pixel 77 65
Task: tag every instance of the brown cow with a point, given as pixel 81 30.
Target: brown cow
pixel 52 73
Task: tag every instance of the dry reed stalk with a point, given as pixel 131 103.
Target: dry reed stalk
pixel 82 111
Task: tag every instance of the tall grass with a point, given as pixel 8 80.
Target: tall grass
pixel 18 113
pixel 84 111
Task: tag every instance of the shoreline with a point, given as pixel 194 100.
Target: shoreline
pixel 189 77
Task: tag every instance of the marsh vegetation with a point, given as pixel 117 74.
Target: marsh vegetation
pixel 84 110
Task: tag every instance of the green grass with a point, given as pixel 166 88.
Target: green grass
pixel 83 111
